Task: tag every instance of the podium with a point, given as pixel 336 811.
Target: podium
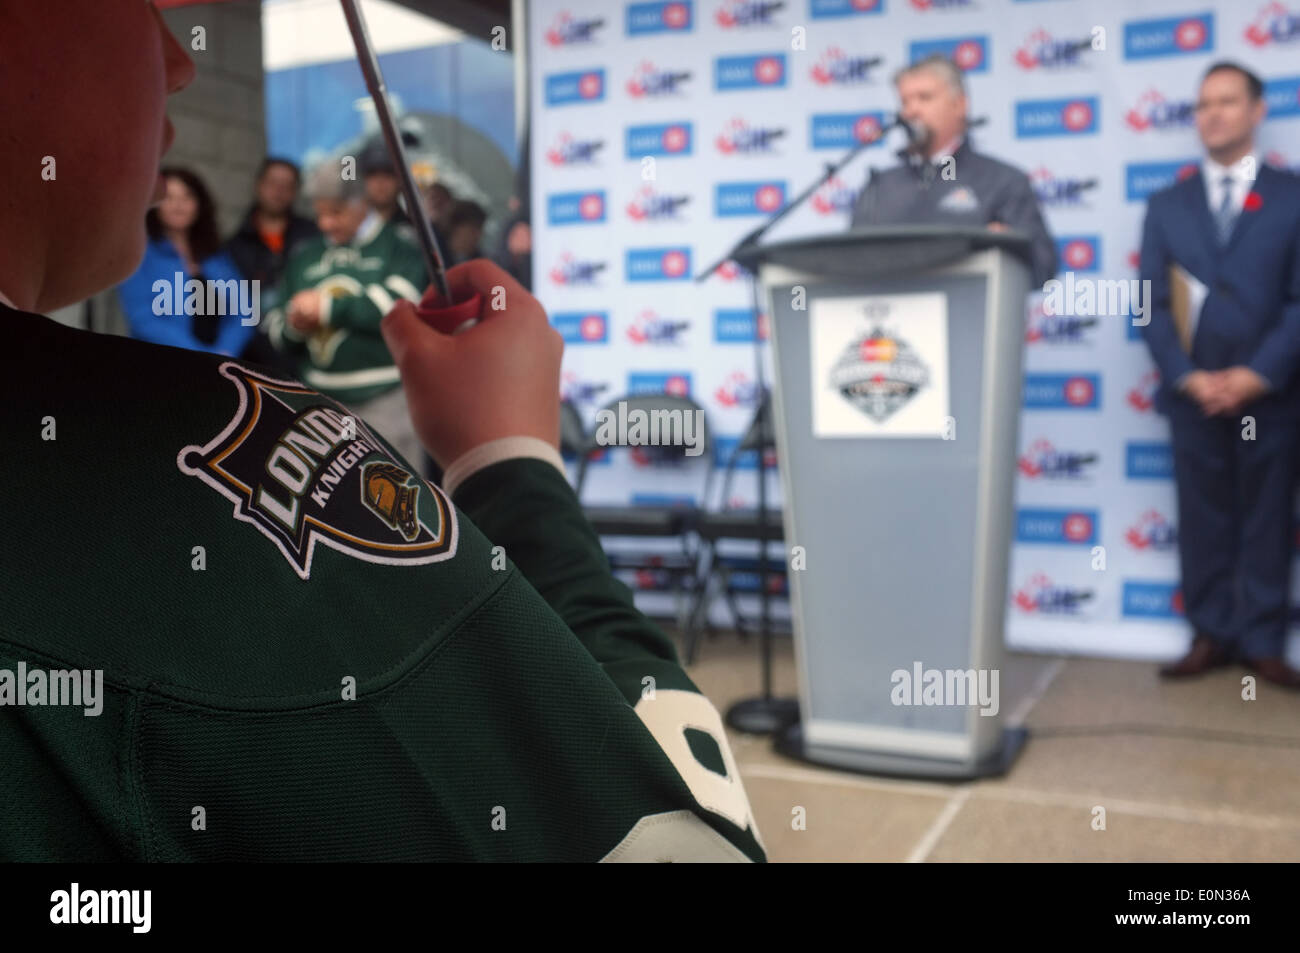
pixel 897 400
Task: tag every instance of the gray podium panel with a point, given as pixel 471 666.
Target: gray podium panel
pixel 907 538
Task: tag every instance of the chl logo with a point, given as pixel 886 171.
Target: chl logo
pixel 879 373
pixel 303 472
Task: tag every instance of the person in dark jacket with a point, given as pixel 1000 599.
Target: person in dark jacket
pixel 261 246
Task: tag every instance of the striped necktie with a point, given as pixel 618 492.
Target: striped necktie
pixel 1226 216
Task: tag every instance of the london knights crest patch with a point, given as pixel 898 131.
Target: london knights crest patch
pixel 304 471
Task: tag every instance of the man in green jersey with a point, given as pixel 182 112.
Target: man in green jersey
pixel 297 648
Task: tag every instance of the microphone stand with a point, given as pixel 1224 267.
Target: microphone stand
pixel 766 714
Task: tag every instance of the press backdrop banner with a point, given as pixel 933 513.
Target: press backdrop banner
pixel 663 131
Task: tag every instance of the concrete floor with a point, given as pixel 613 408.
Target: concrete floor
pixel 1185 772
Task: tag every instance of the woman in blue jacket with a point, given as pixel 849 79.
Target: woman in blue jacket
pixel 179 295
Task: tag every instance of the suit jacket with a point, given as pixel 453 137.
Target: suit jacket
pixel 983 191
pixel 1251 315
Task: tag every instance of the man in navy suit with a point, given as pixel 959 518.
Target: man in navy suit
pixel 1233 402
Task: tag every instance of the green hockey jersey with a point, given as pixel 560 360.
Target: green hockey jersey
pixel 306 652
pixel 346 357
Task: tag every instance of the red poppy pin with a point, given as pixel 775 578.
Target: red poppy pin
pixel 1253 202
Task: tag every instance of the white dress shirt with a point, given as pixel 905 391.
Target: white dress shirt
pixel 1243 173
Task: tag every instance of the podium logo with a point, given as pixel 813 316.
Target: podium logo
pixel 947 688
pixel 582 86
pixel 845 8
pixel 658 264
pixel 1170 36
pixel 659 139
pixel 1061 527
pixel 749 72
pixel 1042 50
pixel 836 68
pixel 969 53
pixel 582 208
pixel 566 29
pixel 842 130
pixel 1039 596
pixel 1152 600
pixel 1148 461
pixel 879 373
pixel 582 327
pixel 672 17
pixel 1062 391
pixel 1057 117
pixel 1274 23
pixel 748 198
pixel 1152 533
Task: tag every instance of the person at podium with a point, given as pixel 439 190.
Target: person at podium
pixel 942 179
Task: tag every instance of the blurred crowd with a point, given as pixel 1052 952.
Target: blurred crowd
pixel 325 280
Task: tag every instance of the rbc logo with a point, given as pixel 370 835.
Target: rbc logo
pixel 660 139
pixel 1283 96
pixel 1067 527
pixel 583 86
pixel 969 53
pixel 749 72
pixel 677 383
pixel 643 18
pixel 658 264
pixel 736 325
pixel 837 68
pixel 748 198
pixel 927 5
pixel 1062 391
pixel 1148 461
pixel 1056 117
pixel 1042 50
pixel 582 327
pixel 841 130
pixel 1079 252
pixel 1141 179
pixel 1152 600
pixel 1172 36
pixel 845 8
pixel 740 138
pixel 568 208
